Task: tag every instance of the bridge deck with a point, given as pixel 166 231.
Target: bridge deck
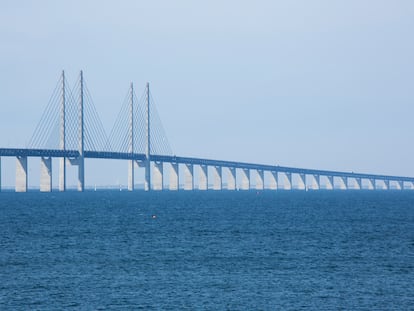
pixel 15 152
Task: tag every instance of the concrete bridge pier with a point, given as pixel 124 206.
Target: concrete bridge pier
pixel 289 181
pixel 273 181
pixel 131 177
pixel 0 174
pixel 316 182
pixel 203 178
pixel 62 174
pixel 21 174
pixel 80 163
pixel 217 171
pixel 188 177
pixel 245 183
pixel 330 183
pixel 343 183
pixel 259 180
pixel 81 174
pixel 158 182
pixel 358 183
pixel 302 182
pixel 386 185
pixel 174 180
pixel 371 185
pixel 400 185
pixel 45 174
pixel 147 181
pixel 231 179
pixel 146 164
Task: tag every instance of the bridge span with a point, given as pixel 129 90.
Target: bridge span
pixel 70 130
pixel 239 174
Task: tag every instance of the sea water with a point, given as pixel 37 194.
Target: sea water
pixel 320 250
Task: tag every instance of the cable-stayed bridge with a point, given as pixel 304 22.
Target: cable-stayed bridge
pixel 70 130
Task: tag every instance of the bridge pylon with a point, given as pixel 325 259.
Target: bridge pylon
pixel 62 138
pixel 147 184
pixel 131 163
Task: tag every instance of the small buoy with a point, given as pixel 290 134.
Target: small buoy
pixel 153 216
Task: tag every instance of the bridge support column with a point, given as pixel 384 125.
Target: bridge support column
pixel 302 182
pixel 81 174
pixel 358 183
pixel 245 184
pixel 231 178
pixel 174 181
pixel 62 174
pixel 203 179
pixel 45 174
pixel 273 181
pixel 188 177
pixel 371 184
pixel 158 183
pixel 289 181
pixel 400 185
pixel 147 182
pixel 343 183
pixel 217 177
pixel 386 185
pixel 330 185
pixel 21 174
pixel 0 174
pixel 316 185
pixel 259 180
pixel 131 173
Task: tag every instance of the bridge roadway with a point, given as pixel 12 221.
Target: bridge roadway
pixel 51 153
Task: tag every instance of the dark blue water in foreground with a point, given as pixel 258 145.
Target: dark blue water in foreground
pixel 207 250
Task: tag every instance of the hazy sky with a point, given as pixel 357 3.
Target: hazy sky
pixel 315 84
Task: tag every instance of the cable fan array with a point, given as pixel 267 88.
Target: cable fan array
pixel 120 135
pixel 47 134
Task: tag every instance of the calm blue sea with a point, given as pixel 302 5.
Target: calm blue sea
pixel 294 250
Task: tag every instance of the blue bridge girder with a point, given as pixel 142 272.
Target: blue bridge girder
pixel 24 152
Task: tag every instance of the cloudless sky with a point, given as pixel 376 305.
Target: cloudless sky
pixel 315 84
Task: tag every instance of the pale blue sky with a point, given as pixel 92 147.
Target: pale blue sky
pixel 315 84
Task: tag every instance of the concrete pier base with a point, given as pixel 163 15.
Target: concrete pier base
pixel 273 181
pixel 343 183
pixel 245 184
pixel 316 185
pixel 131 173
pixel 147 181
pixel 302 182
pixel 259 180
pixel 174 181
pixel 158 180
pixel 372 184
pixel 330 183
pixel 62 174
pixel 217 172
pixel 203 178
pixel 288 186
pixel 21 174
pixel 358 183
pixel 80 163
pixel 231 178
pixel 45 174
pixel 188 177
pixel 81 174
